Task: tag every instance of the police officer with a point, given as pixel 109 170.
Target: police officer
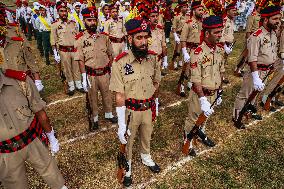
pixel 94 54
pixel 103 17
pixel 114 27
pixel 262 53
pixel 62 39
pixel 178 22
pixel 25 127
pixel 190 39
pixel 168 15
pixel 207 68
pixel 135 78
pixel 77 16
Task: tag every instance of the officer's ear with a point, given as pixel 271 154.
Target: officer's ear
pixel 130 39
pixel 206 34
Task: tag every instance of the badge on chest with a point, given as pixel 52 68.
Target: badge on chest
pixel 86 43
pixel 128 69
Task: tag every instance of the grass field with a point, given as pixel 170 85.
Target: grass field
pixel 252 158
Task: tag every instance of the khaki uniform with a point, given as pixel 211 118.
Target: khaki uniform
pixel 228 31
pixel 136 80
pixel 116 32
pixel 253 22
pixel 262 48
pixel 157 41
pixel 95 54
pixel 19 56
pixel 19 103
pixel 63 37
pixel 207 66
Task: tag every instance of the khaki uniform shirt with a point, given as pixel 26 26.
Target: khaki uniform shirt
pixel 262 47
pixel 228 31
pixel 19 101
pixel 207 65
pixel 115 28
pixel 63 33
pixel 157 40
pixel 179 21
pixel 94 51
pixel 18 55
pixel 253 22
pixel 191 31
pixel 134 79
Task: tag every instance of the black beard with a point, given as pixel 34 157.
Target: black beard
pixel 92 29
pixel 272 26
pixel 138 53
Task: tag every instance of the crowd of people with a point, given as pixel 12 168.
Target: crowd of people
pixel 121 49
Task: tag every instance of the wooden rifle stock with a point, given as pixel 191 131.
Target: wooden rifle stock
pixel 273 93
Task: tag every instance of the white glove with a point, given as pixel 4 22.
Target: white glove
pixel 39 85
pixel 177 39
pixel 257 82
pixel 219 100
pixel 120 111
pixel 165 62
pixel 157 106
pixel 205 106
pixel 84 82
pixel 227 49
pixel 56 56
pixel 54 145
pixel 186 56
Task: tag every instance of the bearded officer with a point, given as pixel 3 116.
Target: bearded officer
pixel 135 78
pixel 207 68
pixel 94 54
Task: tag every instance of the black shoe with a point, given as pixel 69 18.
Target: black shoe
pixel 93 126
pixel 163 73
pixel 206 141
pixel 256 116
pixel 226 81
pixel 182 94
pixel 192 152
pixel 251 108
pixel 112 120
pixel 70 93
pixel 81 90
pixel 127 181
pixel 155 168
pixel 239 125
pixel 278 103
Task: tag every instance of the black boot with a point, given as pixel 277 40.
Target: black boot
pixel 192 152
pixel 207 141
pixel 127 181
pixel 155 168
pixel 70 93
pixel 256 116
pixel 239 125
pixel 278 103
pixel 93 126
pixel 112 120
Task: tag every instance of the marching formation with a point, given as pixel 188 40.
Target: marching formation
pixel 120 50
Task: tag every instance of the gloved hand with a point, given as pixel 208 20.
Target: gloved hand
pixel 227 49
pixel 54 145
pixel 186 56
pixel 39 85
pixel 177 39
pixel 257 82
pixel 165 62
pixel 205 106
pixel 85 82
pixel 219 100
pixel 120 111
pixel 157 106
pixel 56 56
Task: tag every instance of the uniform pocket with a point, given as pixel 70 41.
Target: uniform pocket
pixel 23 112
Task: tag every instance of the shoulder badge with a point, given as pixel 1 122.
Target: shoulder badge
pixel 152 52
pixel 198 50
pixel 160 26
pixel 17 39
pixel 190 20
pixel 19 75
pixel 120 56
pixel 79 35
pixel 257 33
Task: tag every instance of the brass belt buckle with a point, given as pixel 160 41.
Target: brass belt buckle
pixel 143 105
pixel 15 145
pixel 99 72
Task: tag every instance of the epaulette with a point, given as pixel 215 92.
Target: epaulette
pixel 190 20
pixel 152 52
pixel 160 26
pixel 79 35
pixel 257 33
pixel 120 56
pixel 13 24
pixel 198 50
pixel 19 75
pixel 17 39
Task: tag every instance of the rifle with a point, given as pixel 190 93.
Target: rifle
pixel 89 110
pixel 122 163
pixel 200 121
pixel 63 78
pixel 276 90
pixel 248 104
pixel 181 78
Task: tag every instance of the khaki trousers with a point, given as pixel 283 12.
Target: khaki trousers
pixel 100 83
pixel 117 48
pixel 140 124
pixel 70 67
pixel 194 109
pixel 13 169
